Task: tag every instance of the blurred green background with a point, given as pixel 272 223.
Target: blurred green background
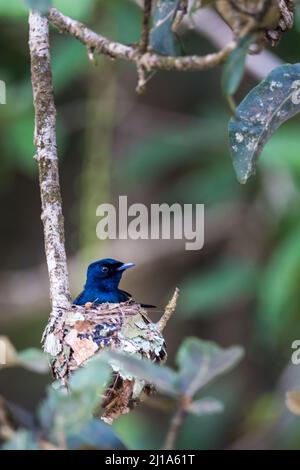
pixel 169 145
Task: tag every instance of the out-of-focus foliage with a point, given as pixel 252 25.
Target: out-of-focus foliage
pixel 162 38
pixel 170 145
pixel 235 67
pixel 65 418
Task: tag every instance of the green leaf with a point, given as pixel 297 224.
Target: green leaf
pixel 40 5
pixel 21 440
pixel 265 108
pixel 202 361
pixel 205 406
pixel 162 377
pixel 235 65
pixel 66 413
pixel 162 38
pixel 93 375
pixel 95 434
pixel 212 290
pixel 34 360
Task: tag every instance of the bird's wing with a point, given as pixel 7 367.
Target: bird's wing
pixel 79 299
pixel 126 293
pixel 142 305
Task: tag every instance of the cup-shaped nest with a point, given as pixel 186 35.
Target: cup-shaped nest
pixel 82 332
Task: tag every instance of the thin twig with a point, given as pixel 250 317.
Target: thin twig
pixel 175 426
pixel 146 25
pixel 169 310
pixel 150 61
pixel 47 159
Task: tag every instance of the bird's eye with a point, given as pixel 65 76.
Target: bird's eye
pixel 104 269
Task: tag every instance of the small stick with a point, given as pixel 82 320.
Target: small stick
pixel 169 310
pixel 146 25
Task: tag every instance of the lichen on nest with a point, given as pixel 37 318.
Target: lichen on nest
pixel 85 331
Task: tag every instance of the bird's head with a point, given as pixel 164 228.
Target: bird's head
pixel 106 272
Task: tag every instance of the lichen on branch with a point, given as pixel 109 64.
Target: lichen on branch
pixel 47 159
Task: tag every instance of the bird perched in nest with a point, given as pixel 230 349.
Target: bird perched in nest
pixel 102 283
pixel 105 317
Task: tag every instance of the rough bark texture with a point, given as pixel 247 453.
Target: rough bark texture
pixel 148 60
pixel 47 159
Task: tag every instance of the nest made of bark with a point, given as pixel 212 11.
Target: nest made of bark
pixel 82 332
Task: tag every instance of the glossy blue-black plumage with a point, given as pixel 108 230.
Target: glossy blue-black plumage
pixel 102 283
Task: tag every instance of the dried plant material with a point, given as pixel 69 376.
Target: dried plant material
pixel 169 310
pixel 293 402
pixel 84 331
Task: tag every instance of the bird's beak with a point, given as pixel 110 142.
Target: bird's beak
pixel 125 266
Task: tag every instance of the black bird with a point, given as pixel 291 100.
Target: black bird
pixel 102 283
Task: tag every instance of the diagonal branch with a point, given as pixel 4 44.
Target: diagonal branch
pixel 46 156
pixel 150 61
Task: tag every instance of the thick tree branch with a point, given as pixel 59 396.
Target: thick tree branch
pixel 46 156
pixel 148 60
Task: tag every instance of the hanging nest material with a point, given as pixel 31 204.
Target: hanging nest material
pixel 82 332
pixel 271 17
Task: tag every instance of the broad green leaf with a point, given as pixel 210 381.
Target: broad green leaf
pixel 202 361
pixel 31 359
pixel 40 5
pixel 162 38
pixel 22 440
pixel 265 108
pixel 212 290
pixel 205 406
pixel 93 375
pixel 34 360
pixel 234 67
pixel 95 434
pixel 66 413
pixel 162 377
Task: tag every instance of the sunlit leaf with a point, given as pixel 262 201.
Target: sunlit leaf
pixel 265 108
pixel 202 361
